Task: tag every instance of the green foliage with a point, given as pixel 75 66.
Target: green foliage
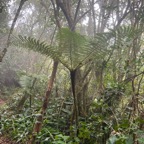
pixel 124 36
pixel 107 119
pixel 26 81
pixel 84 132
pixel 113 94
pixel 18 126
pixel 92 129
pixel 117 139
pixel 73 50
pixel 29 81
pixel 35 45
pixel 61 139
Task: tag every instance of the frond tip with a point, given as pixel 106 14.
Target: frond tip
pixel 35 45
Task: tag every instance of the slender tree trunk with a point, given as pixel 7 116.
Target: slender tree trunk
pixel 2 54
pixel 38 124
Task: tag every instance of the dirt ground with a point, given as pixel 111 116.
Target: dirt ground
pixel 5 140
pixel 1 102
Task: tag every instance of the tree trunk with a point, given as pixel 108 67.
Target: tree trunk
pixel 38 124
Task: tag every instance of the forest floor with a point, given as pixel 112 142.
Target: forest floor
pixel 2 102
pixel 5 140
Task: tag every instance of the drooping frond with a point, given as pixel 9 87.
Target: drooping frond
pixel 124 36
pixel 106 43
pixel 73 47
pixel 76 50
pixel 35 45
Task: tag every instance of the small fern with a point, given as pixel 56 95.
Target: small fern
pixel 26 82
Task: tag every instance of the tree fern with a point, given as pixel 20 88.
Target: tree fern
pixel 74 50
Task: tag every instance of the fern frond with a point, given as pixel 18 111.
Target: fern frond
pixel 75 50
pixel 125 35
pixel 36 45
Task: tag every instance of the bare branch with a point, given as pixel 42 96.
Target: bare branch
pixel 77 20
pixel 77 9
pixel 56 15
pixel 124 15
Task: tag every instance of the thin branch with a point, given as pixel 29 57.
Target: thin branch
pixel 94 20
pixel 15 19
pixel 12 28
pixel 124 15
pixel 83 15
pixel 78 19
pixel 77 9
pixel 139 84
pixel 56 15
pixel 132 77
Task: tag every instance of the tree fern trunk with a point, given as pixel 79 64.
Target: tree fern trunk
pixel 73 83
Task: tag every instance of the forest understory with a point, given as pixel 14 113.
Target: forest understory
pixel 71 72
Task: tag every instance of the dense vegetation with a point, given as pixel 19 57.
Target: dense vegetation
pixel 71 71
